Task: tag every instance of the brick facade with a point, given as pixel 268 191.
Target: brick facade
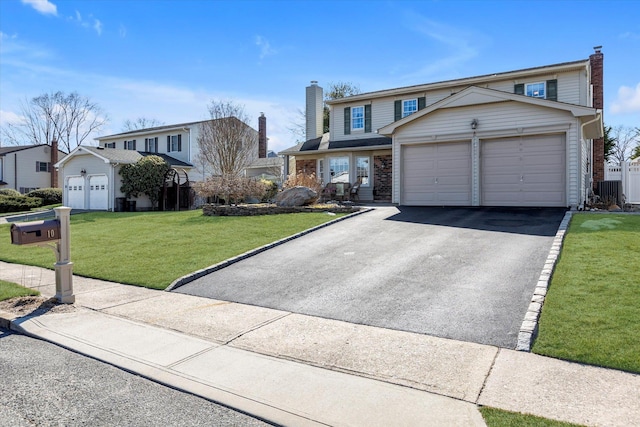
pixel 382 178
pixel 597 81
pixel 306 166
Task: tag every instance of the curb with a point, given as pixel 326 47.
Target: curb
pixel 219 266
pixel 529 328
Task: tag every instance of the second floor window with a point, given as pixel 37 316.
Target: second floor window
pixel 151 145
pixel 174 143
pixel 110 145
pixel 535 90
pixel 409 106
pixel 357 118
pixel 43 167
pixel 130 145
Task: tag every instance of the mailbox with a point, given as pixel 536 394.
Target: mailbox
pixel 33 233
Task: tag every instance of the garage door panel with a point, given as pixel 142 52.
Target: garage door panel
pixel 437 174
pixel 533 177
pixel 98 194
pixel 75 192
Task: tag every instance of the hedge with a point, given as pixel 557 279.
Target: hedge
pixel 18 203
pixel 49 196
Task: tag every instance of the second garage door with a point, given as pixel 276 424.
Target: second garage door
pixel 523 171
pixel 437 174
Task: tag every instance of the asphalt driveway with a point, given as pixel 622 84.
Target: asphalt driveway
pixel 461 273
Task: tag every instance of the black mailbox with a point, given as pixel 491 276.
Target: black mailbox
pixel 30 233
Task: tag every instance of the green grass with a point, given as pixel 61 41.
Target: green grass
pixel 38 209
pixel 591 313
pixel 499 418
pixel 154 248
pixel 12 290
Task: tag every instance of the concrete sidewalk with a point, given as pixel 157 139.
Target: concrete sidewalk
pixel 292 369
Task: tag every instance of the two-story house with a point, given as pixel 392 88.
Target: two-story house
pixel 29 167
pixel 90 174
pixel 529 137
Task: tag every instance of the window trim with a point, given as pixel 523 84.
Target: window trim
pixel 348 169
pixel 360 119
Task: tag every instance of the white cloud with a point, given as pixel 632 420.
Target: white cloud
pixel 9 117
pixel 628 100
pixel 97 25
pixel 265 47
pixel 43 6
pixel 630 35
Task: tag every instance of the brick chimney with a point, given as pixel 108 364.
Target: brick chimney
pixel 313 111
pixel 54 160
pixel 262 136
pixel 596 62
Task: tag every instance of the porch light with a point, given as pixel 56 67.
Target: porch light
pixel 474 124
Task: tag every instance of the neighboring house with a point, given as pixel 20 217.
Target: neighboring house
pixel 91 178
pixel 529 137
pixel 28 167
pixel 270 168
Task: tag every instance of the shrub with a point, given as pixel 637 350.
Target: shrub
pixel 230 189
pixel 9 192
pixel 271 189
pixel 18 203
pixel 304 180
pixel 146 176
pixel 49 196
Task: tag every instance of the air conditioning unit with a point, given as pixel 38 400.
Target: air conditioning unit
pixel 610 190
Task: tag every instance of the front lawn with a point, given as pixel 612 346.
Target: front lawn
pixel 499 418
pixel 12 290
pixel 153 249
pixel 591 313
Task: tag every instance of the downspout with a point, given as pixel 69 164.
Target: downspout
pixel 112 189
pixel 15 171
pixel 188 130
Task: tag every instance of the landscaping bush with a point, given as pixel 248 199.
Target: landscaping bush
pixel 18 203
pixel 231 189
pixel 49 196
pixel 9 192
pixel 303 180
pixel 271 189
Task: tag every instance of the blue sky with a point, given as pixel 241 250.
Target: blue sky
pixel 167 59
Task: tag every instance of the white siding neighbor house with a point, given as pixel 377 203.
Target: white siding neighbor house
pixel 91 179
pixel 28 167
pixel 529 137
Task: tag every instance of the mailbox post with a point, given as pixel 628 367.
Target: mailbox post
pixel 44 233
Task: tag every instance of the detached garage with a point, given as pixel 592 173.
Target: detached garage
pixel 482 147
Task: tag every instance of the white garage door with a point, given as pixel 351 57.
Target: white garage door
pixel 75 192
pixel 98 194
pixel 523 171
pixel 437 174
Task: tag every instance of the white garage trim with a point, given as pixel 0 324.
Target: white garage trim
pixel 524 171
pixel 436 174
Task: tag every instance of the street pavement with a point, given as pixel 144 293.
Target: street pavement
pixel 461 273
pixel 46 385
pixel 298 370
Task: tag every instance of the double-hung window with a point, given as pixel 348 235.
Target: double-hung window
pixel 174 143
pixel 362 170
pixel 339 169
pixel 535 90
pixel 544 90
pixel 151 145
pixel 110 145
pixel 321 170
pixel 409 106
pixel 43 167
pixel 357 118
pixel 130 145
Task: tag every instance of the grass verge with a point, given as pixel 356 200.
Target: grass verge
pixel 499 418
pixel 153 249
pixel 591 313
pixel 12 290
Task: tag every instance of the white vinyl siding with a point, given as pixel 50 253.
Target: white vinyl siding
pixel 19 168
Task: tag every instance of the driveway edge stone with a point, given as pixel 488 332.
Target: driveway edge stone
pixel 529 328
pixel 219 266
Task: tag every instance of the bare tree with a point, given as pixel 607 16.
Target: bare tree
pixel 625 138
pixel 140 123
pixel 227 145
pixel 69 118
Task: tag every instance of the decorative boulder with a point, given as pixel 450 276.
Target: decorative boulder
pixel 296 196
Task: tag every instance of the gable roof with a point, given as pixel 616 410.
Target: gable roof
pixel 467 81
pixel 114 156
pixel 15 148
pixel 474 95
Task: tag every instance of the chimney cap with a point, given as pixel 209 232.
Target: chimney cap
pixel 597 48
pixel 261 114
pixel 314 82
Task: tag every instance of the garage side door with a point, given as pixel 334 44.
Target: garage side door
pixel 437 174
pixel 525 171
pixel 98 194
pixel 75 192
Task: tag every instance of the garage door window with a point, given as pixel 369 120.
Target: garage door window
pixel 339 169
